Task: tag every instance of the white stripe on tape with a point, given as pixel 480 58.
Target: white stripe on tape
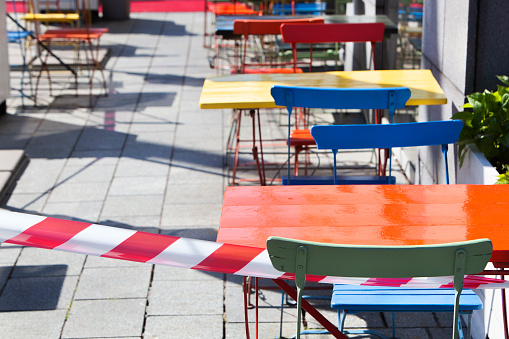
pixel 96 240
pixel 260 266
pixel 185 253
pixel 14 223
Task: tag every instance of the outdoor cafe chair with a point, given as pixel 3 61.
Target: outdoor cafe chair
pixel 305 41
pixel 86 38
pixel 299 35
pixel 305 258
pixel 387 136
pixel 257 31
pixel 329 98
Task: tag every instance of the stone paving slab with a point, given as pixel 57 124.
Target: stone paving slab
pixel 105 318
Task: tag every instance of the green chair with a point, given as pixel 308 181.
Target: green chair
pixel 451 259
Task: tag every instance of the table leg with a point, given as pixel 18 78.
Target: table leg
pixel 259 164
pixel 504 311
pixel 311 310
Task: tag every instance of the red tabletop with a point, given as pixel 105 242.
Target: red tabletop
pixel 368 214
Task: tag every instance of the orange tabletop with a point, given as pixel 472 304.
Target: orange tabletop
pixel 368 214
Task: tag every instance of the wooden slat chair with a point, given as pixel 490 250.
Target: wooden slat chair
pixel 328 98
pixel 320 259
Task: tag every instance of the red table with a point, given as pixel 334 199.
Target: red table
pixel 372 215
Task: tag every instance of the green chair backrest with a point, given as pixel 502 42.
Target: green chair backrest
pixel 304 257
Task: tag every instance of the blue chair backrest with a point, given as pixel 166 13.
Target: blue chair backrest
pixel 340 98
pixel 390 98
pixel 386 136
pixel 299 8
pixel 335 137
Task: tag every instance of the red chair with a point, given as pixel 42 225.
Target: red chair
pixel 261 28
pixel 258 29
pixel 223 8
pixel 294 34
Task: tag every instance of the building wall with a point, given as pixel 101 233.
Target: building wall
pixel 4 62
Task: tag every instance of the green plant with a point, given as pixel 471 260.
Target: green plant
pixel 487 126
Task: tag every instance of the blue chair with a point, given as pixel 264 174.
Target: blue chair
pixel 337 98
pixel 299 8
pixel 412 134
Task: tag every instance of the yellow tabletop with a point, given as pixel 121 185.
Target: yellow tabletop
pixel 244 91
pixel 52 17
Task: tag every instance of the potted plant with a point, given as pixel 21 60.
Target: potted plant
pixel 486 126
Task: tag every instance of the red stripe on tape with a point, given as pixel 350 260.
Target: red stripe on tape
pixel 141 247
pixel 228 258
pixel 394 282
pixel 49 233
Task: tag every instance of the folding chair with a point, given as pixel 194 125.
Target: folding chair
pixel 87 36
pixel 299 36
pixel 335 137
pixel 254 29
pixel 20 37
pixel 320 259
pixel 328 98
pixel 251 29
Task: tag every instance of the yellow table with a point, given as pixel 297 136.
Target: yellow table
pixel 251 91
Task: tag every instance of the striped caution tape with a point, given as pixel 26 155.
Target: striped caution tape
pixel 118 243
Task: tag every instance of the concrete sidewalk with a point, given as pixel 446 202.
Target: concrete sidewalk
pixel 145 158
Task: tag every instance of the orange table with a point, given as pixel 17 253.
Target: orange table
pixel 372 215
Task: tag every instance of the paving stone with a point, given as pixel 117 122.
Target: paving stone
pixel 179 215
pixel 132 205
pixel 181 175
pixel 165 273
pixel 37 262
pixel 90 172
pixel 31 203
pixel 189 298
pixel 74 192
pixel 162 327
pixel 38 293
pixel 138 186
pixel 128 167
pixel 32 324
pixel 100 262
pixel 86 211
pixel 110 318
pixel 119 282
pixel 195 194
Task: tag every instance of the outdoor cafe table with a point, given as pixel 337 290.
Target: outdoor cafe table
pixel 368 215
pixel 252 91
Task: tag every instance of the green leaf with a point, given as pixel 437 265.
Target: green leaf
pixel 475 98
pixel 504 79
pixel 465 115
pixel 505 100
pixel 504 140
pixel 503 179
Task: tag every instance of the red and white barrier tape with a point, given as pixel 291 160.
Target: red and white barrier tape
pixel 111 242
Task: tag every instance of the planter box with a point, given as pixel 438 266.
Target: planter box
pixel 476 169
